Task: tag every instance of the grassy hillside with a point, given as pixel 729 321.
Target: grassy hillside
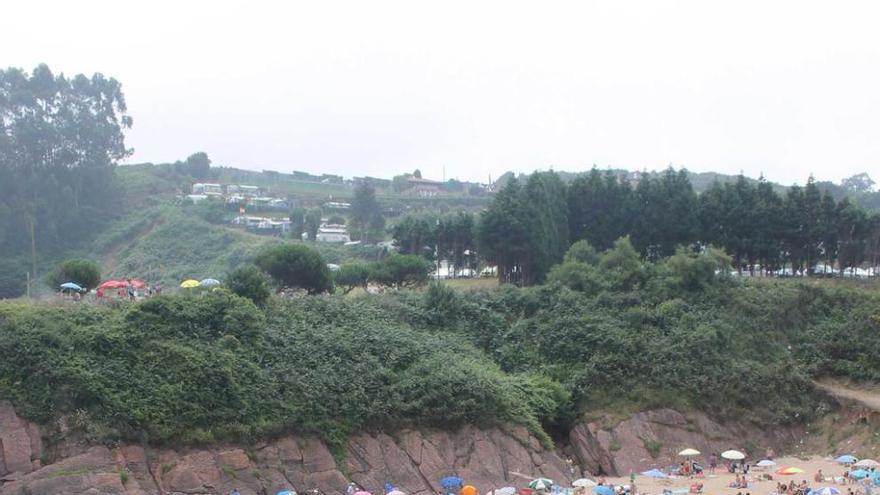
pixel 175 246
pixel 171 243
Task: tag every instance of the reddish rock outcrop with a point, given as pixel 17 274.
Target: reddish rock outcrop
pixel 412 460
pixel 20 443
pixel 96 471
pixel 654 438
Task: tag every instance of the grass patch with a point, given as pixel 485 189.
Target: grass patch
pixel 652 446
pixel 71 472
pixel 614 446
pixel 229 471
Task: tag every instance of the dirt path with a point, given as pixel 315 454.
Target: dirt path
pixel 868 398
pixel 112 258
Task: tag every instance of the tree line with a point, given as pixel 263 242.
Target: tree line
pixel 531 222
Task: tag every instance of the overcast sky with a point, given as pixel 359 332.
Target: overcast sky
pixel 379 88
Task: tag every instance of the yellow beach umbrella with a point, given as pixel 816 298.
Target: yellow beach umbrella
pixel 189 284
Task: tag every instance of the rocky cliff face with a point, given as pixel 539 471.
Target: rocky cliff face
pixel 413 460
pixel 654 438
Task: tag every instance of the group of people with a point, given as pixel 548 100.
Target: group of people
pixel 740 482
pixel 689 468
pixel 793 488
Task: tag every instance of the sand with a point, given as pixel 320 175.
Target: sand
pixel 717 484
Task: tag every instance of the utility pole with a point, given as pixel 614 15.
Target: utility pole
pixel 28 275
pixel 437 243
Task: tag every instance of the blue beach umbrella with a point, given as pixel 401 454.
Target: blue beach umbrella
pixel 71 286
pixel 828 490
pixel 655 473
pixel 846 459
pixel 450 482
pixel 858 474
pixel 603 490
pixel 209 282
pixel 286 492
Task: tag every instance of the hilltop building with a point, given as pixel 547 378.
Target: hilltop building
pixel 331 232
pixel 423 188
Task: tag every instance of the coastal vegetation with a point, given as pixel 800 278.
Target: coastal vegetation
pixel 673 333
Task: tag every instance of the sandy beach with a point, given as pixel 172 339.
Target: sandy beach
pixel 718 483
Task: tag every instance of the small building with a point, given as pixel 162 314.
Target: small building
pixel 331 232
pixel 337 205
pixel 263 225
pixel 207 189
pixel 250 191
pixel 424 188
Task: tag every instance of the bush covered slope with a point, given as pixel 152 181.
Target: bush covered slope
pixel 215 367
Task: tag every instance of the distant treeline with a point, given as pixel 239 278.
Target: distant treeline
pixel 532 221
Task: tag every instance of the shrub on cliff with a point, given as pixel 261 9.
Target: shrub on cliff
pixel 84 273
pixel 215 367
pixel 296 265
pixel 250 282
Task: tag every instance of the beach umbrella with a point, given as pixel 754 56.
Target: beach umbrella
pixel 765 463
pixel 507 490
pixel 137 284
pixel 790 470
pixel 395 492
pixel 71 286
pixel 209 282
pixel 846 459
pixel 451 482
pixel 733 455
pixel 603 490
pixel 113 284
pixel 468 490
pixel 584 483
pixel 541 484
pixel 689 452
pixel 189 284
pixel 655 473
pixel 286 492
pixel 867 463
pixel 828 490
pixel 361 492
pixel 859 474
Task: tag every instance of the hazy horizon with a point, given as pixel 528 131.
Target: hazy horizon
pixel 785 89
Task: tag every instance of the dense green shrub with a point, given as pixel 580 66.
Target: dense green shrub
pixel 296 265
pixel 401 271
pixel 216 367
pixel 84 273
pixel 250 282
pixel 352 275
